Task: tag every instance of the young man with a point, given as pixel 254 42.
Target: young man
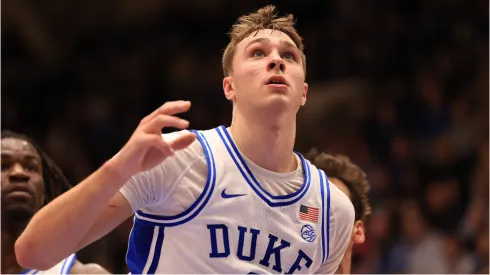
pixel 349 178
pixel 29 180
pixel 237 200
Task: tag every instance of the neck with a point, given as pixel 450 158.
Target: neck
pixel 269 145
pixel 345 265
pixel 10 232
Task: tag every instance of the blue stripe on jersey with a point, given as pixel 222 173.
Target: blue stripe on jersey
pixel 326 216
pixel 273 201
pixel 240 158
pixel 67 265
pixel 328 212
pixel 29 271
pixel 322 193
pixel 66 268
pixel 158 251
pixel 199 204
pixel 139 245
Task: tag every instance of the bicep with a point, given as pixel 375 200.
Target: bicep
pixel 142 190
pixel 115 212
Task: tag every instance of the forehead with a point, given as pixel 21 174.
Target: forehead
pixel 274 36
pixel 18 146
pixel 341 185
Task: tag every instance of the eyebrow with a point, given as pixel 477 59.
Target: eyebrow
pixel 266 40
pixel 25 157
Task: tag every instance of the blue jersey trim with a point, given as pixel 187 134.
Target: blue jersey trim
pixel 139 245
pixel 322 192
pixel 68 264
pixel 158 251
pixel 326 215
pixel 198 205
pixel 273 201
pixel 29 270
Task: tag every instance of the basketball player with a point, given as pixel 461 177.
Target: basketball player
pixel 29 180
pixel 349 178
pixel 237 200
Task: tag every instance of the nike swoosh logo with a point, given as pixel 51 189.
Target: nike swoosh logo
pixel 227 196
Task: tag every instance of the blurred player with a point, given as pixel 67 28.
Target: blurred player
pixel 237 200
pixel 29 180
pixel 349 178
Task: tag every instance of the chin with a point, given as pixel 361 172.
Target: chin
pixel 282 102
pixel 18 213
pixel 276 102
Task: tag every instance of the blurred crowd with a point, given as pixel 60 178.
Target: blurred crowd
pixel 402 86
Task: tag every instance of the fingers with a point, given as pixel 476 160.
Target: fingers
pixel 183 141
pixel 161 145
pixel 169 108
pixel 168 148
pixel 160 121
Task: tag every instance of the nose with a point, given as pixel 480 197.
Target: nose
pixel 18 174
pixel 276 63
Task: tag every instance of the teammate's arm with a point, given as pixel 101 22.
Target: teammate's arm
pixel 94 207
pixel 92 268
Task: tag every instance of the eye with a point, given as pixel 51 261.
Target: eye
pixel 258 53
pixel 289 56
pixel 31 168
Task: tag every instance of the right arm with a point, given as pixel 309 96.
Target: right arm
pixel 69 222
pixel 94 207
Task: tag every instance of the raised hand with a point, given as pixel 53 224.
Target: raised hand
pixel 146 148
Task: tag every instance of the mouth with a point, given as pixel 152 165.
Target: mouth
pixel 19 195
pixel 278 81
pixel 21 189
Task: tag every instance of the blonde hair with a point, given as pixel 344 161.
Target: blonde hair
pixel 264 18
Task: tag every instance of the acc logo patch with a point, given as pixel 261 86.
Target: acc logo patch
pixel 308 233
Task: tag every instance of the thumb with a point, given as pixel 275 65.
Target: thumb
pixel 182 141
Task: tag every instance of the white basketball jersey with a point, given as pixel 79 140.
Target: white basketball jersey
pixel 63 267
pixel 236 226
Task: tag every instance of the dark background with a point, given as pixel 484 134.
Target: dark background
pixel 399 86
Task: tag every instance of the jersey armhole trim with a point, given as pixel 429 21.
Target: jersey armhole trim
pixel 30 271
pixel 68 264
pixel 198 205
pixel 325 194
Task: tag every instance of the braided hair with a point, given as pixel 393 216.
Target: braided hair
pixel 55 182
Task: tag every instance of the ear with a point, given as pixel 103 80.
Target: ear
pixel 229 89
pixel 358 236
pixel 305 91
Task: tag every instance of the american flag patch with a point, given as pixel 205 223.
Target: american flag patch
pixel 308 213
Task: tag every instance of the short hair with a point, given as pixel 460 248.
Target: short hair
pixel 55 182
pixel 342 168
pixel 264 18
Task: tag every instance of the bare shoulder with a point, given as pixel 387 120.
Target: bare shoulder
pixel 91 268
